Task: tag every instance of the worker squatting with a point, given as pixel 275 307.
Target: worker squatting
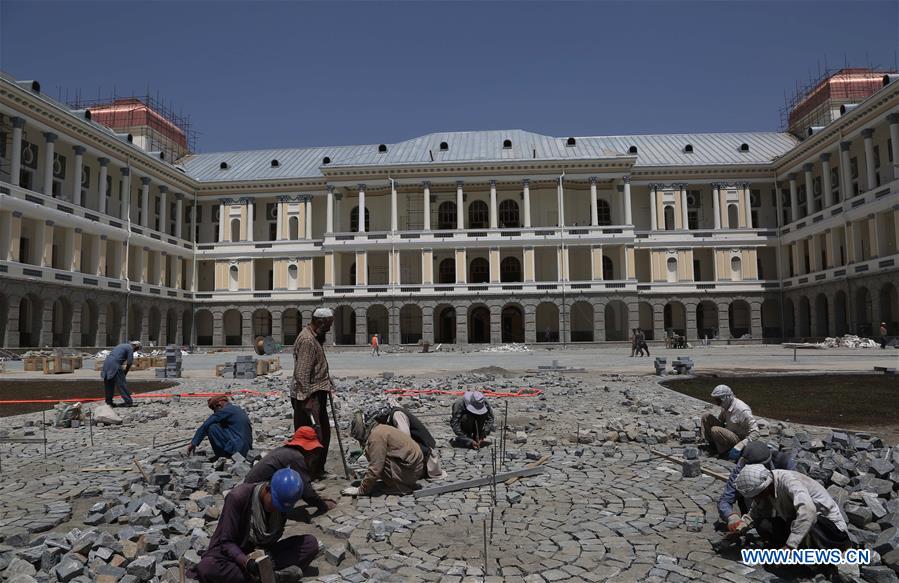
pixel 764 493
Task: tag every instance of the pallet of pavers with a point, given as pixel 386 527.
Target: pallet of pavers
pixel 171 363
pixel 33 363
pixel 58 365
pixel 245 367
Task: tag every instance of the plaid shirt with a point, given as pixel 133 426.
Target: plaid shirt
pixel 310 368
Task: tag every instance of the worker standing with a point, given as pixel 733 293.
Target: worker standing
pixel 883 335
pixel 735 426
pixel 114 376
pixel 228 429
pixel 375 345
pixel 312 384
pixel 472 421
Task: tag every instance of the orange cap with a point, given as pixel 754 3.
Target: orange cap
pixel 306 438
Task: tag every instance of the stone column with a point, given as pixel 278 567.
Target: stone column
pixel 809 189
pixel 893 120
pixel 871 171
pixel 426 207
pixel 653 208
pixel 493 259
pixel 179 329
pixel 361 327
pixel 329 213
pixel 330 276
pixel 596 263
pixel 361 268
pixel 361 228
pixel 218 329
pixel 100 337
pixel 561 202
pixel 223 218
pixel 50 139
pixel 460 206
pixel 246 328
pixel 494 219
pixel 338 222
pixel 529 264
pixel 461 325
pixel 101 184
pixel 794 198
pixel 308 212
pixel 77 172
pixel 126 194
pixel 144 201
pixel 658 321
pixel 845 174
pixel 74 241
pixel 163 209
pixel 163 338
pixel 716 204
pixel 394 210
pixel 530 324
pixel 427 323
pixel 102 245
pixel 75 328
pixel 594 213
pixel 628 216
pixel 826 184
pixel 15 165
pixel 179 214
pixel 874 239
pixel 461 265
pixel 755 319
pixel 526 193
pixel 47 244
pixel 11 338
pixel 564 263
pixel 251 220
pixel 723 320
pixel 747 204
pixel 684 215
pixel 279 218
pixel 496 325
pixel 46 337
pixel 15 233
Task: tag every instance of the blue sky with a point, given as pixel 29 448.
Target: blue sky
pixel 282 74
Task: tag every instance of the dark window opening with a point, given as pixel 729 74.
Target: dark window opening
pixel 632 150
pixel 444 146
pixel 571 142
pixel 326 160
pixel 688 148
pixel 509 215
pixel 507 143
pixel 478 215
pixel 382 148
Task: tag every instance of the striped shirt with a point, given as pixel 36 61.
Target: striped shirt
pixel 310 368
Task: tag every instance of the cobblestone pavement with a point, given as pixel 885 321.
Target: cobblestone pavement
pixel 605 508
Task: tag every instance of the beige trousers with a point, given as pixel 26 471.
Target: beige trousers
pixel 721 438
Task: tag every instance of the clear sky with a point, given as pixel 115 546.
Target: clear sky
pixel 282 74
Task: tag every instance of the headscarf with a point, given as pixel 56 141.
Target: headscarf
pixel 359 429
pixel 753 480
pixel 724 393
pixel 213 401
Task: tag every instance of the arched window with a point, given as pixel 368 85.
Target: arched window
pixel 235 229
pixel 478 215
pixel 294 223
pixel 508 214
pixel 232 279
pixel 446 215
pixel 604 212
pixel 292 277
pixel 447 271
pixel 671 272
pixel 608 268
pixel 669 217
pixel 479 271
pixel 736 269
pixel 510 269
pixel 354 219
pixel 733 216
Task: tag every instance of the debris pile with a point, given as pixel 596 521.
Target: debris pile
pixel 513 347
pixel 849 341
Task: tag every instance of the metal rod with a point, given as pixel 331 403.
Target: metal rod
pixel 44 425
pixel 90 426
pixel 485 548
pixel 346 468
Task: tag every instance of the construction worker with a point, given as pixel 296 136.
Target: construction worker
pixel 252 518
pixel 114 377
pixel 472 421
pixel 312 384
pixel 375 345
pixel 883 335
pixel 756 452
pixel 228 429
pixel 791 510
pixel 293 454
pixel 409 424
pixel 729 432
pixel 394 458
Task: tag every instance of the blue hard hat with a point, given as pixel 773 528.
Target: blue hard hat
pixel 286 488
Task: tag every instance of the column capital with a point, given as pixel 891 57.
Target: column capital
pixel 163 189
pixel 282 198
pixel 492 183
pixel 50 137
pixel 330 189
pixel 891 118
pixel 825 157
pixel 808 167
pixel 460 183
pixel 17 122
pixel 179 196
pixel 426 183
pixel 80 150
pixel 145 181
pixel 868 133
pixel 626 179
pixel 791 177
pixel 362 187
pixel 716 185
pixel 104 237
pixel 307 198
pixel 79 230
pixel 338 196
pixel 844 146
pixel 592 180
pixel 126 171
pixel 747 184
pixel 49 223
pixel 17 214
pixel 104 162
pixel 245 200
pixel 526 182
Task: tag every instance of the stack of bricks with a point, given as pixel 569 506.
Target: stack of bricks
pixel 172 368
pixel 245 367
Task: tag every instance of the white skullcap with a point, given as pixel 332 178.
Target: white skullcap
pixel 722 391
pixel 323 313
pixel 753 480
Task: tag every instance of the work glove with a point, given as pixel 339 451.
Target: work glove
pixel 733 455
pixel 253 569
pixel 350 491
pixel 735 523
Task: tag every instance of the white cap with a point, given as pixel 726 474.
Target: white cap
pixel 753 480
pixel 323 313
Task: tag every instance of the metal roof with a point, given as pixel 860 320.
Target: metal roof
pixel 488 146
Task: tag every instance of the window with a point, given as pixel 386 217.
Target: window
pixel 353 273
pixel 382 148
pixel 671 272
pixel 571 142
pixel 744 147
pixel 632 150
pixel 733 217
pixel 688 149
pixel 294 227
pixel 446 273
pixel 669 217
pixel 877 165
pixel 292 276
pixel 835 184
pixel 816 189
pixel 853 175
pixel 446 215
pixel 479 271
pixel 736 269
pixel 608 268
pixel 507 144
pixel 444 146
pixel 232 280
pixel 354 219
pixel 603 212
pixel 478 215
pixel 510 269
pixel 508 214
pixel 235 229
pixel 890 149
pixel 693 219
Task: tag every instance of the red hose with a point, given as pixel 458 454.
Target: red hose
pixel 249 392
pixel 522 392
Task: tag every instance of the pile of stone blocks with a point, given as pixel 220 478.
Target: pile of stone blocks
pixel 661 363
pixel 172 363
pixel 243 368
pixel 682 365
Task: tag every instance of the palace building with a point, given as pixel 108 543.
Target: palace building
pixel 112 230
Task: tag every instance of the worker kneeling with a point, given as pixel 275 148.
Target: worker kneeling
pixel 393 458
pixel 228 429
pixel 729 432
pixel 412 426
pixel 730 504
pixel 253 519
pixel 791 510
pixel 472 421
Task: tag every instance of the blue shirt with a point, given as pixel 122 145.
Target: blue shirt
pixel 117 357
pixel 782 461
pixel 235 429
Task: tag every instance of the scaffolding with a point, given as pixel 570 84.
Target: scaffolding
pixel 152 121
pixel 817 102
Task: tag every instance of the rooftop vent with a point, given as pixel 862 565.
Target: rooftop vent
pixel 444 146
pixel 31 85
pixel 223 166
pixel 887 79
pixel 847 107
pixel 84 113
pixel 158 154
pixel 507 143
pixel 326 160
pixel 744 147
pixel 814 129
pixel 632 150
pixel 571 142
pixel 275 163
pixel 382 148
pixel 125 137
pixel 688 149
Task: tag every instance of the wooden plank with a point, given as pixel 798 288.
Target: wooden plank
pixel 477 482
pixel 678 460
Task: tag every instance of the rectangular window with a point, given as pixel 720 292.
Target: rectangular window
pixel 816 186
pixel 693 219
pixel 755 198
pixel 3 137
pixel 835 184
pixel 877 156
pixel 26 179
pixel 889 149
pixel 853 174
pixel 272 231
pixel 755 218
